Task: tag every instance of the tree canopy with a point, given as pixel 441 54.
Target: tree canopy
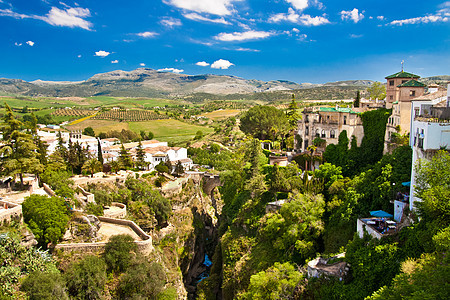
pixel 264 122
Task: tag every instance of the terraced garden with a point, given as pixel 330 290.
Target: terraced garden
pixel 129 115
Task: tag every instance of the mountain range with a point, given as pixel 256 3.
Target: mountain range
pixel 145 82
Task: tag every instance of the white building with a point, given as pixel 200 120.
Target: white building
pixel 430 130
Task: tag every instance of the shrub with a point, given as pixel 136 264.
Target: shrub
pixel 119 251
pixel 86 279
pixel 39 285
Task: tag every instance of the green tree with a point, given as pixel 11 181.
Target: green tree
pixel 162 168
pixel 119 252
pixel 377 91
pixel 198 135
pixel 89 131
pixel 46 217
pixel 297 226
pixel 357 101
pixel 433 188
pixel 140 157
pixel 179 169
pixel 99 152
pixel 42 286
pixel 143 280
pixel 86 278
pixel 292 114
pixel 277 282
pixel 264 122
pixel 18 151
pixel 92 166
pixel 124 159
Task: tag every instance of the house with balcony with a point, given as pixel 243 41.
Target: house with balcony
pixel 327 123
pixel 401 89
pixel 430 131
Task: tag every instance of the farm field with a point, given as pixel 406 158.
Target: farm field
pixel 99 125
pixel 169 130
pixel 221 114
pixel 164 130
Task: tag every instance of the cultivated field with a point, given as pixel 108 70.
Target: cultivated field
pixel 221 114
pixel 170 130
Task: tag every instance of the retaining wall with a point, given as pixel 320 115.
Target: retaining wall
pixel 119 214
pixel 145 246
pixel 13 212
pixel 89 196
pixel 48 190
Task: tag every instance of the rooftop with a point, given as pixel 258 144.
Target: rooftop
pixel 402 74
pixel 339 109
pixel 412 83
pixel 432 96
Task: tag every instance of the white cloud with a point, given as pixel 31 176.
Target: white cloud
pixel 173 70
pixel 102 53
pixel 381 18
pixel 114 61
pixel 418 20
pixel 355 36
pixel 302 37
pixel 79 56
pixel 299 4
pixel 243 36
pixel 66 17
pixel 147 34
pixel 214 7
pixel 295 30
pixel 353 15
pixel 170 22
pixel 247 50
pixel 142 64
pixel 197 17
pixel 294 17
pixel 202 64
pixel 18 44
pixel 70 17
pixel 30 43
pixel 221 64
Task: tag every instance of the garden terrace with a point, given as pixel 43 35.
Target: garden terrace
pixel 129 115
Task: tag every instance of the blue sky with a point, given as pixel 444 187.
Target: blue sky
pixel 298 40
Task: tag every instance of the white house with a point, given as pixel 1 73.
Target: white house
pixel 430 131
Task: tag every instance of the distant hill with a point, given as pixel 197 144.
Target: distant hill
pixel 144 82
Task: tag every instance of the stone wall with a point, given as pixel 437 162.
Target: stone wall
pixel 13 212
pixel 145 246
pixel 48 190
pixel 210 182
pixel 89 196
pixel 119 214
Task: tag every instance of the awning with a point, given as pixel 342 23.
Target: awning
pixel 408 183
pixel 380 214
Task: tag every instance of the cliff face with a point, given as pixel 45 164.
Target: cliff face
pixel 190 237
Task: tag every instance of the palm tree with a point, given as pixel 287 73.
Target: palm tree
pixel 92 166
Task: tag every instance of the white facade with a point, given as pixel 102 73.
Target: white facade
pixel 428 134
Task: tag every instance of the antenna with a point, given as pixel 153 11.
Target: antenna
pixel 402 64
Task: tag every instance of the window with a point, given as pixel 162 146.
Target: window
pixel 332 134
pixel 416 112
pixel 391 97
pixel 412 93
pixel 317 133
pixel 306 130
pixel 306 144
pixel 307 119
pixel 391 82
pixel 323 133
pixel 345 120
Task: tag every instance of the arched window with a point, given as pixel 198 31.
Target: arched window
pixel 332 134
pixel 317 133
pixel 323 133
pixel 345 120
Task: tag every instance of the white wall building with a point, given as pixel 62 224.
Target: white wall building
pixel 430 131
